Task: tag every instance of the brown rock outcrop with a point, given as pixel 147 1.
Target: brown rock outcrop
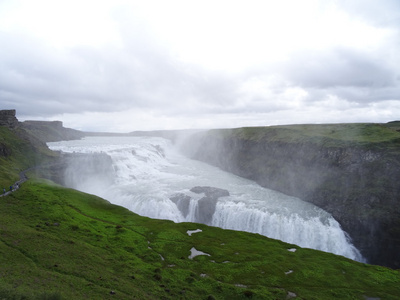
pixel 8 119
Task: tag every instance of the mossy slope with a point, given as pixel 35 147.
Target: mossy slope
pixel 18 151
pixel 322 134
pixel 57 241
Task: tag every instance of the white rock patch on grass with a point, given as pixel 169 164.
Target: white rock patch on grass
pixel 190 232
pixel 194 252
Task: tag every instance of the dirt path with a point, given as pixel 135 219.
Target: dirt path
pixel 15 186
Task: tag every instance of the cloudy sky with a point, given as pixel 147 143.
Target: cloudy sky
pixel 132 65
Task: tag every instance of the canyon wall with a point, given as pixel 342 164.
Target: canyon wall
pixel 355 180
pixel 51 131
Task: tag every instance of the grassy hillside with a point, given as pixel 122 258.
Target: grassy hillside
pixel 62 244
pixel 19 151
pixel 58 243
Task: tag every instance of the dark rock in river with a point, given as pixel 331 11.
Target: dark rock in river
pixel 206 205
pixel 182 201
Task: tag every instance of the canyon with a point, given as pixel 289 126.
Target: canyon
pixel 352 177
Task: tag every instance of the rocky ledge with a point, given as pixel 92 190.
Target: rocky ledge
pixel 206 205
pixel 8 119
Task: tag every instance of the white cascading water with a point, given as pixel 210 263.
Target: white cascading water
pixel 148 171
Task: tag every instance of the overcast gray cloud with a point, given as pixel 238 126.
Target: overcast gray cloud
pixel 130 65
pixel 340 68
pixel 382 14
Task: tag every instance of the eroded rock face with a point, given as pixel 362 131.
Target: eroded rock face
pixel 51 131
pixel 205 208
pixel 8 119
pixel 358 185
pixel 182 201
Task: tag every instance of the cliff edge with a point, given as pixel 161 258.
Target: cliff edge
pixel 45 131
pixel 8 119
pixel 51 131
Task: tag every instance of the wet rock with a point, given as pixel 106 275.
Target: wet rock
pixel 182 201
pixel 206 206
pixel 205 210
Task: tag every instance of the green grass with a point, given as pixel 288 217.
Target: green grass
pixel 23 151
pixel 395 125
pixel 63 243
pixel 322 134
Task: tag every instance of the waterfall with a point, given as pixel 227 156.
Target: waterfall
pixel 150 177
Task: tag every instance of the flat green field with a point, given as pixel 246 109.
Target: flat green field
pixel 325 134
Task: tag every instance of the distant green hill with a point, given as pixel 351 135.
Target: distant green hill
pixel 393 125
pixel 58 243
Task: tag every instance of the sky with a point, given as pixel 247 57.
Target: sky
pixel 121 66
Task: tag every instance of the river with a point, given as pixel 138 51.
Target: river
pixel 147 175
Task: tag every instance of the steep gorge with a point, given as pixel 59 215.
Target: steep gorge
pixel 354 179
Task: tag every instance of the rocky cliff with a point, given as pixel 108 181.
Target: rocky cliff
pixel 351 171
pixel 45 131
pixel 51 131
pixel 8 119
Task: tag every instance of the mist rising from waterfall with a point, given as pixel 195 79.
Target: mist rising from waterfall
pixel 151 178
